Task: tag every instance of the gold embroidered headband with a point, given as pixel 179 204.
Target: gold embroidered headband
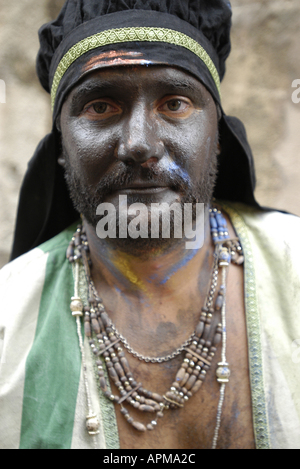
pixel 131 34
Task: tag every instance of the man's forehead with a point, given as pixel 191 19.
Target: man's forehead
pixel 154 75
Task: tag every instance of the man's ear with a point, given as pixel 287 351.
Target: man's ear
pixel 219 112
pixel 61 161
pixel 57 123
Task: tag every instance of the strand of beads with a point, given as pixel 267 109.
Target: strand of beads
pixel 198 352
pixel 107 345
pixel 228 249
pixel 220 234
pixel 108 352
pixel 218 226
pixel 197 360
pixel 76 306
pixel 188 381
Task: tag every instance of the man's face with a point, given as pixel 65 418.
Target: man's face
pixel 146 132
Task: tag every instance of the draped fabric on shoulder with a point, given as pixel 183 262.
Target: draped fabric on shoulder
pixel 36 415
pixel 193 35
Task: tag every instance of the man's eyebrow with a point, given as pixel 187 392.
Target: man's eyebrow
pixel 91 87
pixel 168 85
pixel 176 84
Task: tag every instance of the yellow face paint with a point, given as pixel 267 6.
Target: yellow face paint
pixel 122 263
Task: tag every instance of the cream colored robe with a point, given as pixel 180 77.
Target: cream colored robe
pixel 42 396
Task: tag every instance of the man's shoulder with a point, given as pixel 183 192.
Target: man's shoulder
pixel 270 235
pixel 36 259
pixel 273 227
pixel 268 215
pixel 266 222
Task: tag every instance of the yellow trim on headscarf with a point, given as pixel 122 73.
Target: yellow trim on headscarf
pixel 133 34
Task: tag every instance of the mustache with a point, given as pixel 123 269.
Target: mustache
pixel 123 175
pixel 86 196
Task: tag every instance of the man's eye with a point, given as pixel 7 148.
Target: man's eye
pixel 100 108
pixel 174 105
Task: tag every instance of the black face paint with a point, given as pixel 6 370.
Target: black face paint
pixel 158 128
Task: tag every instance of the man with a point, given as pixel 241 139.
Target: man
pixel 135 90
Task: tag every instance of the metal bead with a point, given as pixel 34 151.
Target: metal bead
pixel 76 304
pixel 223 373
pixel 92 424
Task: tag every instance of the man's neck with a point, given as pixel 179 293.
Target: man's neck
pixel 165 290
pixel 163 273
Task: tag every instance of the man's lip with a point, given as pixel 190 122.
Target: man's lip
pixel 141 186
pixel 142 189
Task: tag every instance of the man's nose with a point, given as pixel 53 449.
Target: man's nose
pixel 140 141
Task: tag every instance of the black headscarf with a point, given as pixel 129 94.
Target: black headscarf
pixel 191 34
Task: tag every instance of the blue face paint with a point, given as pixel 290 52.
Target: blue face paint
pixel 173 168
pixel 179 265
pixel 124 296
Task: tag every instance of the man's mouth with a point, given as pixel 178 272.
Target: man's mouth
pixel 145 187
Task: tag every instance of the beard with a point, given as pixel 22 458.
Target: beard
pixel 86 198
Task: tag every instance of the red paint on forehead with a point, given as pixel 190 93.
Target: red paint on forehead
pixel 113 58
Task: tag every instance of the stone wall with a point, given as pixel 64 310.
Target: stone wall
pixel 257 88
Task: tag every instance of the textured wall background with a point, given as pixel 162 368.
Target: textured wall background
pixel 257 88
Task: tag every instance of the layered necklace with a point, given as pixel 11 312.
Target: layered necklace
pixel 108 346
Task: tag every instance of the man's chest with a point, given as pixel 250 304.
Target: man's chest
pixel 192 425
